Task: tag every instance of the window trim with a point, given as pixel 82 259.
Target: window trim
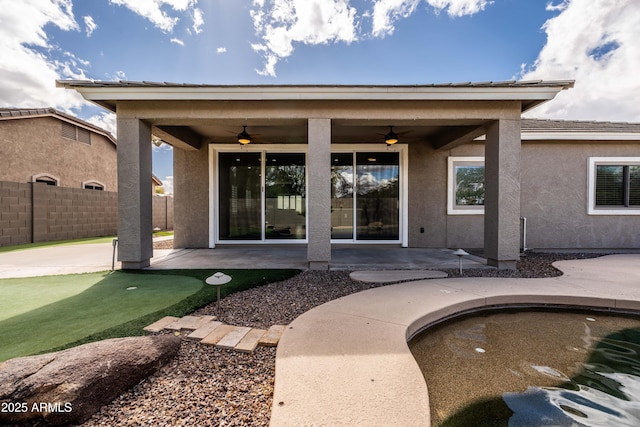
pixel 48 176
pixel 592 209
pixel 452 208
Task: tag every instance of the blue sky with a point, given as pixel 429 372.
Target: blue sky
pixel 594 42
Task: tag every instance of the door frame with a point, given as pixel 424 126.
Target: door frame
pixel 403 213
pixel 214 202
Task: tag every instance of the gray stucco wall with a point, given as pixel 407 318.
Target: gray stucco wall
pixel 191 198
pixel 554 197
pixel 428 201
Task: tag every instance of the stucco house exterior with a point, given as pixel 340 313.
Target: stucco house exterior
pixel 47 145
pixel 51 163
pixel 313 168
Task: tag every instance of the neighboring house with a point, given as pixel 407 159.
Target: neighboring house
pixel 157 186
pixel 312 168
pixel 46 145
pixel 51 165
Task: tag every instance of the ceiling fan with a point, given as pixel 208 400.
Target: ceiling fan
pixel 392 137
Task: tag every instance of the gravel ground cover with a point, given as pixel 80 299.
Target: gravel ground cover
pixel 205 386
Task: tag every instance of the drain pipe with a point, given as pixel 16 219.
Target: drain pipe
pixel 524 233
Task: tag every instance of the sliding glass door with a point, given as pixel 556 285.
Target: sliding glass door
pixel 365 196
pixel 246 212
pixel 285 196
pixel 240 179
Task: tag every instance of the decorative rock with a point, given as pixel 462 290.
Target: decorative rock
pixel 71 385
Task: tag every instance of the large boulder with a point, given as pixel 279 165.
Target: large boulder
pixel 67 387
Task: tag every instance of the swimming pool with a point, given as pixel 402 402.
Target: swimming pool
pixel 533 368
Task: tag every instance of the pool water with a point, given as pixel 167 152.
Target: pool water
pixel 537 368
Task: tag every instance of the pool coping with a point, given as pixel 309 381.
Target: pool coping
pixel 347 362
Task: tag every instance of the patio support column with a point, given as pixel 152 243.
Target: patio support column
pixel 502 194
pixel 319 194
pixel 135 242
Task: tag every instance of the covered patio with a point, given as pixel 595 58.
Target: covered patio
pixel 350 258
pixel 311 127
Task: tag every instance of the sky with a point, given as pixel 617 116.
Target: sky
pixel 594 42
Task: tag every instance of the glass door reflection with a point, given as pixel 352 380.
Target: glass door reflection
pixel 240 215
pixel 285 196
pixel 342 196
pixel 377 196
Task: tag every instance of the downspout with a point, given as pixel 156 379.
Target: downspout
pixel 523 219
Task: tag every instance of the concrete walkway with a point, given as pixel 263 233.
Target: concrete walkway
pixel 86 258
pixel 62 259
pixel 347 363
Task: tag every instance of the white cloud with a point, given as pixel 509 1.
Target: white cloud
pixel 152 10
pixel 106 121
pixel 281 23
pixel 177 41
pixel 458 8
pixel 167 183
pixel 30 62
pixel 90 25
pixel 596 44
pixel 117 76
pixel 387 12
pixel 221 50
pixel 198 21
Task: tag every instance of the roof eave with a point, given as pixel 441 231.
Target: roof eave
pixel 107 94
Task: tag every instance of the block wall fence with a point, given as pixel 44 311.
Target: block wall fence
pixel 36 212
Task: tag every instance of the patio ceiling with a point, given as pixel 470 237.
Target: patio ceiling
pixel 439 134
pixel 342 132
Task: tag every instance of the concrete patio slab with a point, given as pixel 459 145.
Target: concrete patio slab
pixel 347 362
pixel 377 276
pixel 293 256
pixel 84 258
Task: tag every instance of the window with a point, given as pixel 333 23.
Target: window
pixel 45 178
pixel 465 186
pixel 614 186
pixel 76 133
pixel 93 185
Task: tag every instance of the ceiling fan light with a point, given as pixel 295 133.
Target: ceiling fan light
pixel 243 137
pixel 391 137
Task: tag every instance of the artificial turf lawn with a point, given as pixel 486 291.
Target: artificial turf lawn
pixel 54 312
